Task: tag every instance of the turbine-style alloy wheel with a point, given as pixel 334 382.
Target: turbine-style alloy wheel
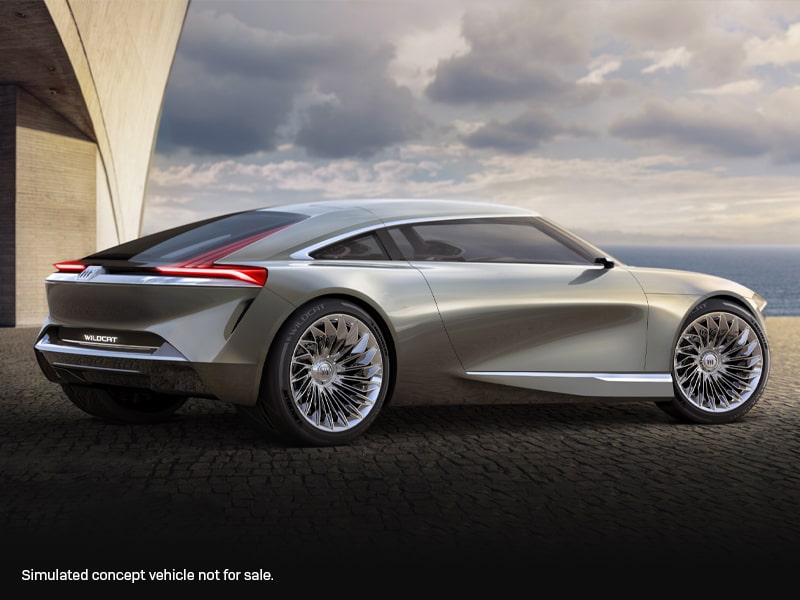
pixel 336 372
pixel 326 378
pixel 720 363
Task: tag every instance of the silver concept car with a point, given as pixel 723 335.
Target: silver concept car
pixel 311 318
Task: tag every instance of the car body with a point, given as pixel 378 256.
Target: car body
pixel 310 318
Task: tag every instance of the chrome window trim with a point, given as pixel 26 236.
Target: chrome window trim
pixel 305 253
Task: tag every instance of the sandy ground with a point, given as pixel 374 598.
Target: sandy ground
pixel 784 381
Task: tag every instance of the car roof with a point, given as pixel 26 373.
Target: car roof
pixel 329 220
pixel 394 209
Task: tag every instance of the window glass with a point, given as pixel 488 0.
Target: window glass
pixel 205 240
pixel 365 247
pixel 485 240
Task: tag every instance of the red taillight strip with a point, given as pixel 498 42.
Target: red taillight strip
pixel 254 275
pixel 209 257
pixel 70 266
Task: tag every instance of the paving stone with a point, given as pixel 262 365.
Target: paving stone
pixel 457 490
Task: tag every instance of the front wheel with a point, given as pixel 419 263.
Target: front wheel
pixel 327 376
pixel 123 405
pixel 720 363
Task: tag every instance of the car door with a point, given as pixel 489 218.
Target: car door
pixel 517 297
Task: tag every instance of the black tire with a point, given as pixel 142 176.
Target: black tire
pixel 123 405
pixel 327 376
pixel 668 406
pixel 720 364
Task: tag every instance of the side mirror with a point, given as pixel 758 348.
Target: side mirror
pixel 602 260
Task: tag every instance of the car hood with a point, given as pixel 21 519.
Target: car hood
pixel 671 281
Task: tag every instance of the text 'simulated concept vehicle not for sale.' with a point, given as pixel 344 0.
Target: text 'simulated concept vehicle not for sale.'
pixel 311 318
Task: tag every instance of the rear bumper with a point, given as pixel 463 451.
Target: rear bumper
pixel 164 370
pixel 191 340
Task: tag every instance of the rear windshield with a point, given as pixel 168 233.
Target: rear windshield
pixel 202 241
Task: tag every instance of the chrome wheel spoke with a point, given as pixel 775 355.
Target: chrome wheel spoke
pixel 346 405
pixel 336 372
pixel 718 362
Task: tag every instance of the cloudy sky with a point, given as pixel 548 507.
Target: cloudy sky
pixel 664 121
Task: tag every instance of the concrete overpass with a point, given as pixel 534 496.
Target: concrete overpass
pixel 81 88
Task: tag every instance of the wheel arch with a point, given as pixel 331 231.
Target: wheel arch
pixel 736 300
pixel 723 296
pixel 378 316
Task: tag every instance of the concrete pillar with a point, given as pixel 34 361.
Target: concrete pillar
pixel 81 86
pixel 47 202
pixel 8 194
pixel 56 218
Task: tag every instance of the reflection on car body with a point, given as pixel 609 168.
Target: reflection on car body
pixel 310 318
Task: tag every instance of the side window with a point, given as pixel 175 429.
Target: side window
pixel 365 247
pixel 485 240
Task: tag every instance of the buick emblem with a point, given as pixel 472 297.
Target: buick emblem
pixel 90 272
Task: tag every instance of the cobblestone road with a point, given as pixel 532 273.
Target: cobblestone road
pixel 459 492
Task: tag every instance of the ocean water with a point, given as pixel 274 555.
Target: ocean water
pixel 772 271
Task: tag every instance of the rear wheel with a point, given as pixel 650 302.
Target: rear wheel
pixel 720 364
pixel 668 406
pixel 123 405
pixel 327 376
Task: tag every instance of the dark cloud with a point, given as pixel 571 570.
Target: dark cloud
pixel 361 123
pixel 786 148
pixel 514 55
pixel 714 131
pixel 228 114
pixel 237 89
pixel 224 45
pixel 485 80
pixel 363 111
pixel 526 132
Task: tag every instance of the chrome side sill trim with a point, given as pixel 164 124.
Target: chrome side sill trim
pixel 658 385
